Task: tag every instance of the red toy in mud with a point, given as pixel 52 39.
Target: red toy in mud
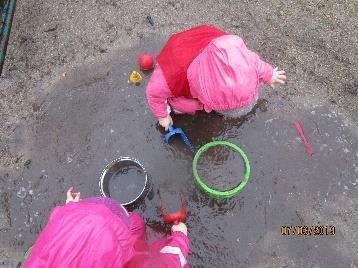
pixel 306 144
pixel 145 61
pixel 174 217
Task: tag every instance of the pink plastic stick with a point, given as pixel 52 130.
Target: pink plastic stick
pixel 308 147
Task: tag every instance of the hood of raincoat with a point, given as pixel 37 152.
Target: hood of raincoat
pixel 226 74
pixel 178 53
pixel 82 235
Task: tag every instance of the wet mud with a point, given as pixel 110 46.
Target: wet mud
pixel 93 116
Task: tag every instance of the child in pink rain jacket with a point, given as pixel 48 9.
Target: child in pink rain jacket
pixel 207 69
pixel 99 232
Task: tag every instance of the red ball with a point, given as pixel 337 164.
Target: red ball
pixel 145 61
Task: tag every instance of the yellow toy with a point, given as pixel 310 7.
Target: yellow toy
pixel 135 77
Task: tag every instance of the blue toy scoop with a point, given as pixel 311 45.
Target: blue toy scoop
pixel 172 131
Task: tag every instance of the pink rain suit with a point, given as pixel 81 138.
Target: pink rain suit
pixel 99 232
pixel 225 75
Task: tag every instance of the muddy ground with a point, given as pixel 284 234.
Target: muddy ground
pixel 67 110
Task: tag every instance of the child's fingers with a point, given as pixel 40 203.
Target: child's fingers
pixel 69 193
pixel 280 81
pixel 181 227
pixel 77 198
pixel 282 77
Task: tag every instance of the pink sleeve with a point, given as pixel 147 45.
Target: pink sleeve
pixel 263 68
pixel 137 227
pixel 174 250
pixel 158 92
pixel 178 239
pixel 185 105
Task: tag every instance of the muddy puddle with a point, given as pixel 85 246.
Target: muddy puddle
pixel 93 116
pixel 221 168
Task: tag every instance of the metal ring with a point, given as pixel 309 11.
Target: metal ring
pixel 111 164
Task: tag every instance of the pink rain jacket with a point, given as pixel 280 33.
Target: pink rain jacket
pixel 164 253
pixel 82 235
pixel 90 235
pixel 226 75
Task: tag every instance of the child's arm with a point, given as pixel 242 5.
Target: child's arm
pixel 157 93
pixel 278 77
pixel 264 69
pixel 175 251
pixel 185 105
pixel 72 196
pixel 267 74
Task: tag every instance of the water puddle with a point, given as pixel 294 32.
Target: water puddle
pixel 94 116
pixel 221 168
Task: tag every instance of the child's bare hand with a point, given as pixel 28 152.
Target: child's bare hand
pixel 278 78
pixel 180 227
pixel 166 121
pixel 72 197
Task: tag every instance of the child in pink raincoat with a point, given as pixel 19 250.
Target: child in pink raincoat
pixel 99 232
pixel 207 69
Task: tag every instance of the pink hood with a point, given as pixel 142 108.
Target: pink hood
pixel 82 235
pixel 226 75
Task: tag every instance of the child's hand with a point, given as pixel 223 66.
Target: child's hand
pixel 278 77
pixel 72 197
pixel 165 122
pixel 180 227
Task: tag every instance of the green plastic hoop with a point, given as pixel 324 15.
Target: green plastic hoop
pixel 27 252
pixel 213 192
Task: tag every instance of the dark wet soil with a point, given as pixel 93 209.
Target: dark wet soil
pixel 221 168
pixel 94 116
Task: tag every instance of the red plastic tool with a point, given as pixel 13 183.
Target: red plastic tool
pixel 308 147
pixel 174 217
